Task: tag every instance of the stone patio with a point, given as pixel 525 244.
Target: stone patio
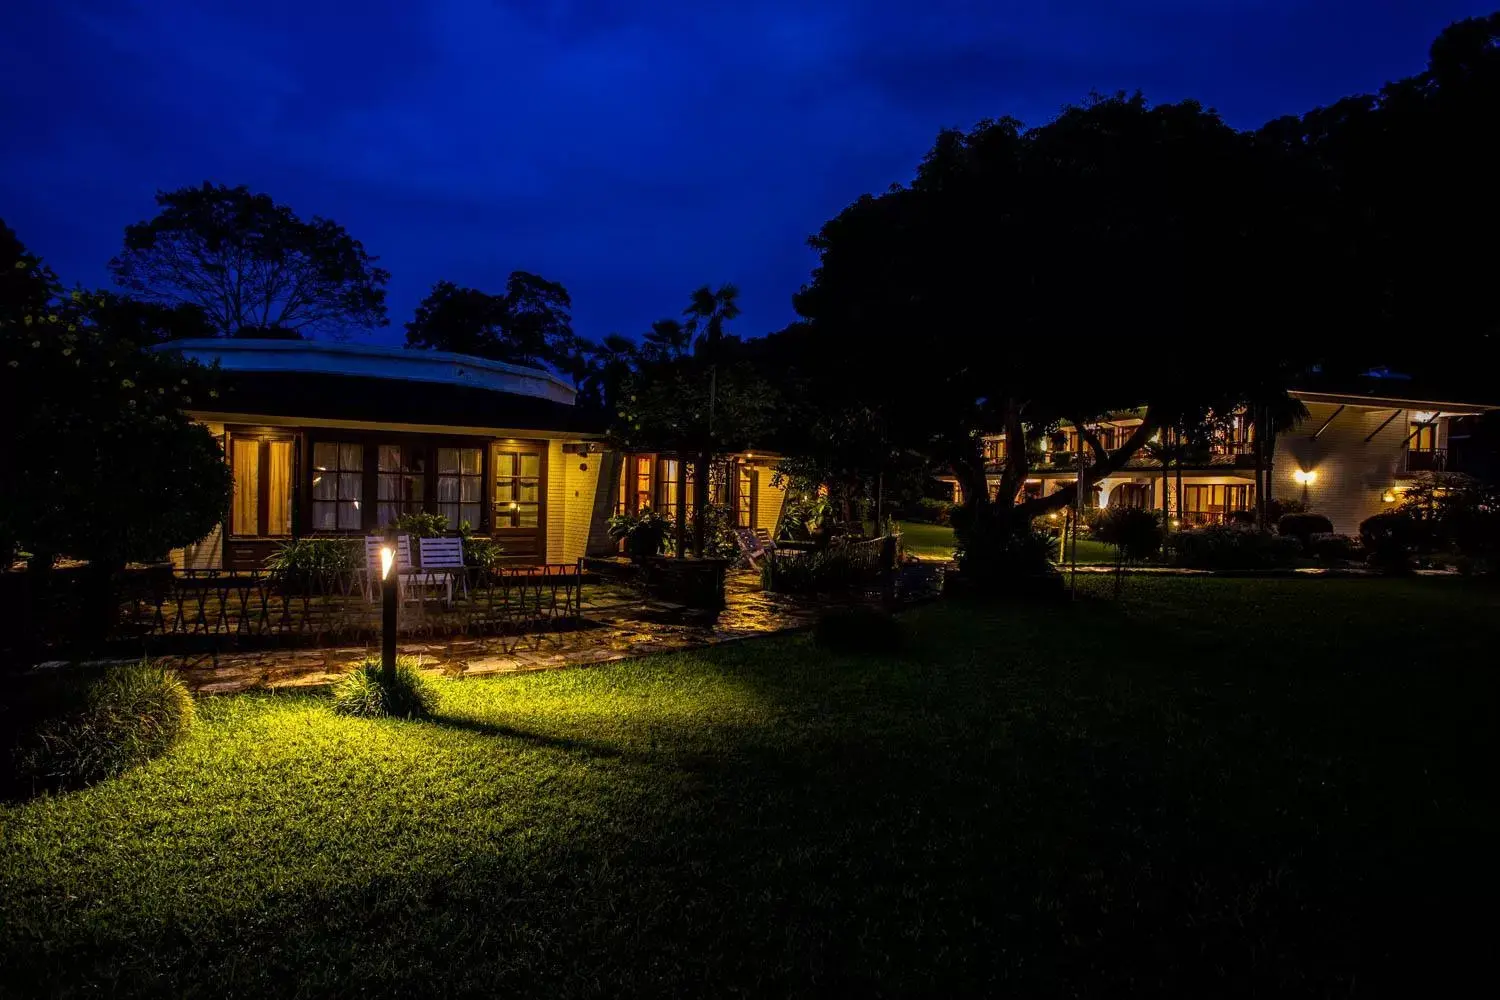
pixel 617 623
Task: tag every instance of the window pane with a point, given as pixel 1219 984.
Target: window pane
pixel 505 490
pixel 450 512
pixel 529 492
pixel 469 489
pixel 505 463
pixel 390 458
pixel 447 488
pixel 325 456
pixel 351 457
pixel 526 516
pixel 388 488
pixel 246 469
pixel 351 487
pixel 531 465
pixel 279 492
pixel 349 515
pixel 469 461
pixel 469 512
pixel 415 490
pixel 447 461
pixel 386 513
pixel 325 515
pixel 325 485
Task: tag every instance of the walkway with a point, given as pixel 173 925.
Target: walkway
pixel 617 624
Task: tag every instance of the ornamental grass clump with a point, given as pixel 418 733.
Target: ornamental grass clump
pixel 129 715
pixel 365 693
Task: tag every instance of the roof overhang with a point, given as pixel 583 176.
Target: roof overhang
pixel 316 357
pixel 1392 402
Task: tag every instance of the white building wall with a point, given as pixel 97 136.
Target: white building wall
pixel 1351 474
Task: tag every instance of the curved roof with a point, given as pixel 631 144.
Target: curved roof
pixel 368 361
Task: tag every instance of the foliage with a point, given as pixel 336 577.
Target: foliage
pixel 822 571
pixel 1460 514
pixel 531 324
pixel 1278 508
pixel 866 631
pixel 992 550
pixel 1391 538
pixel 806 511
pixel 1134 531
pixel 102 463
pixel 644 532
pixel 1334 548
pixel 307 557
pixel 1226 547
pixel 718 531
pixel 1303 526
pixel 247 262
pixel 133 713
pixel 480 552
pixel 363 692
pixel 422 524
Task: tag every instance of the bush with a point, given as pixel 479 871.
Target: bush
pixel 858 630
pixel 1134 531
pixel 1459 514
pixel 1224 547
pixel 993 548
pixel 421 525
pixel 644 532
pixel 1241 517
pixel 364 693
pixel 307 557
pixel 130 714
pixel 1278 508
pixel 820 571
pixel 1390 539
pixel 1331 548
pixel 1303 526
pixel 479 552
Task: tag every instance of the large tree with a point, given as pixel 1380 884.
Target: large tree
pixel 1122 257
pixel 693 391
pixel 248 262
pixel 530 324
pixel 101 462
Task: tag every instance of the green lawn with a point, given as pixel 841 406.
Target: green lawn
pixel 936 541
pixel 1212 787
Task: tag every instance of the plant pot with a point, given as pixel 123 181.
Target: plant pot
pixel 696 583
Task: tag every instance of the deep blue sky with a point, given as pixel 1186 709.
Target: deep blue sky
pixel 630 151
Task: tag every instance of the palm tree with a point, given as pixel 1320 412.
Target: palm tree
pixel 1272 412
pixel 707 312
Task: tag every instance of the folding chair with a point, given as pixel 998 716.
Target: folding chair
pixel 443 559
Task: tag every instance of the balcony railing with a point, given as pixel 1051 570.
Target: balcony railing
pixel 1427 460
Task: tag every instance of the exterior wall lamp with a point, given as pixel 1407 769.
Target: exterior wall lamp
pixel 1305 476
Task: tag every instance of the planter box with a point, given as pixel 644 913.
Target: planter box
pixel 696 583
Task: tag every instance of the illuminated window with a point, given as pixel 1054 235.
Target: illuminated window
pixel 338 483
pixel 460 485
pixel 1423 437
pixel 667 497
pixel 401 482
pixel 744 498
pixel 518 490
pixel 262 504
pixel 642 481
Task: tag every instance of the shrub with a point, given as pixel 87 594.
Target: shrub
pixel 1278 508
pixel 718 531
pixel 820 571
pixel 1390 540
pixel 130 714
pixel 363 692
pixel 479 552
pixel 421 525
pixel 1134 531
pixel 858 630
pixel 644 532
pixel 1457 513
pixel 306 557
pixel 1303 526
pixel 1224 547
pixel 1331 548
pixel 1241 517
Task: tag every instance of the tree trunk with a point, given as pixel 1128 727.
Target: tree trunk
pixel 700 502
pixel 1177 454
pixel 1270 472
pixel 1258 449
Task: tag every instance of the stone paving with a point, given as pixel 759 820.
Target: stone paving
pixel 617 624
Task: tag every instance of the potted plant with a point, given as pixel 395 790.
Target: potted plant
pixel 643 532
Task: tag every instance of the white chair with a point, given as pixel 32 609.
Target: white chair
pixel 404 569
pixel 443 562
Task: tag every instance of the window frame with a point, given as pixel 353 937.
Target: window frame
pixel 264 437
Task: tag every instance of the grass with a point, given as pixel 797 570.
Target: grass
pixel 936 541
pixel 1214 786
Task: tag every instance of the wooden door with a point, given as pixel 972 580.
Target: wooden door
pixel 518 473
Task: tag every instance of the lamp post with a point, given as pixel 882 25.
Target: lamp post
pixel 389 582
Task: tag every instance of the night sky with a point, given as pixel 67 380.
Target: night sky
pixel 630 151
